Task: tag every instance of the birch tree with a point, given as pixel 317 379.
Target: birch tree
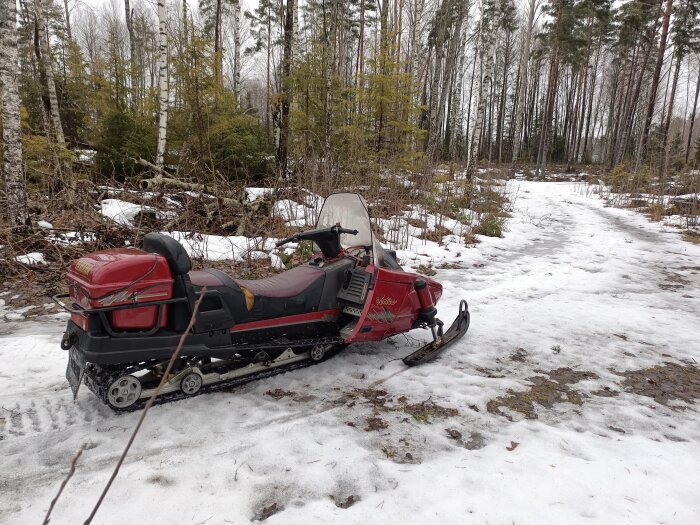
pixel 486 37
pixel 129 18
pixel 15 189
pixel 522 82
pixel 236 4
pixel 164 97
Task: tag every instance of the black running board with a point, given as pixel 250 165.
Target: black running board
pixel 453 334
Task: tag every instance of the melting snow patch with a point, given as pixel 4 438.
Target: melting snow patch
pixel 122 212
pixel 219 248
pixel 31 258
pixel 256 193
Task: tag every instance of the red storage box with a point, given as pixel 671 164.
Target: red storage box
pixel 121 276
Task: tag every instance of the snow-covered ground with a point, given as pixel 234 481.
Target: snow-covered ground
pixel 573 296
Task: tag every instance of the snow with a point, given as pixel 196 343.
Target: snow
pixel 44 224
pixel 86 155
pixel 257 193
pixel 122 212
pixel 573 284
pixel 31 258
pixel 220 247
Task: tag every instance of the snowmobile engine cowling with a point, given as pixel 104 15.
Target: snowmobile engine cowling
pixel 117 277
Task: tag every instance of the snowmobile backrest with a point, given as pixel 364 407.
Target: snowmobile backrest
pixel 174 253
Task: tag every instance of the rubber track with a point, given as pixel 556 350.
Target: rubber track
pixel 99 382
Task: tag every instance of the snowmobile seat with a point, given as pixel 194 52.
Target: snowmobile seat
pixel 288 284
pixel 295 291
pixel 178 260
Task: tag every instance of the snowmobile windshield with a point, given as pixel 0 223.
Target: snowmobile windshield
pixel 350 211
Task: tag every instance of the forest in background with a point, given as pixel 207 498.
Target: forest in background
pixel 220 93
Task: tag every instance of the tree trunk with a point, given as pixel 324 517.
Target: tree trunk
pixel 383 69
pixel 65 168
pixel 132 51
pixel 669 116
pixel 328 40
pixel 237 50
pixel 15 188
pixel 641 150
pixel 359 66
pixel 163 83
pixel 218 53
pixel 594 79
pixel 68 29
pixel 458 12
pixel 502 102
pixel 286 95
pixel 453 141
pixel 692 117
pixel 485 33
pixel 551 95
pixel 522 89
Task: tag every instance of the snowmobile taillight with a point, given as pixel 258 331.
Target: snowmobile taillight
pixel 80 320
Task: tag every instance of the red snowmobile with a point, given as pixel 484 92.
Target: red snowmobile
pixel 130 306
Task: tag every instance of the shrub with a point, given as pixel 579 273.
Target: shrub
pixel 656 211
pixel 620 179
pixel 490 226
pixel 238 146
pixel 123 138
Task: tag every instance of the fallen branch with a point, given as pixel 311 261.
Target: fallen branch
pixel 148 406
pixel 71 471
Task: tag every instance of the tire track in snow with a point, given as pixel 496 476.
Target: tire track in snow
pixel 30 417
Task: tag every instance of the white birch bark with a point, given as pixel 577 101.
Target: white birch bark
pixel 132 51
pixel 454 121
pixel 163 83
pixel 15 187
pixel 434 101
pixel 522 91
pixel 237 50
pixel 296 46
pixel 487 37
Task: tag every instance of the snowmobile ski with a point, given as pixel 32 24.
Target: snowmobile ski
pixel 441 340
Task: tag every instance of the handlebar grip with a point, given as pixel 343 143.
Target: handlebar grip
pixel 345 230
pixel 284 241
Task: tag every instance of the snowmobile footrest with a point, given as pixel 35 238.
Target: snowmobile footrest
pixel 453 334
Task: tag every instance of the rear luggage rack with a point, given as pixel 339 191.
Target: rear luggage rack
pixel 76 309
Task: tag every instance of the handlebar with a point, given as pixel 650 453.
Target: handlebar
pixel 282 242
pixel 315 233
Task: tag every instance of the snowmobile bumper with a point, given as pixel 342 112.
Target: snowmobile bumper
pixel 441 340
